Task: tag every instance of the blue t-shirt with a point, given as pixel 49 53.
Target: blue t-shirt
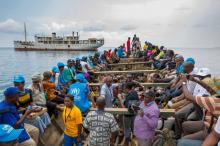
pixel 80 91
pixel 120 52
pixel 61 81
pixel 9 115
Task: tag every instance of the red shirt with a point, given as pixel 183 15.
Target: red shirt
pixel 128 44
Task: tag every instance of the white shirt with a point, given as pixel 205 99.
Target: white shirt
pixel 83 64
pixel 217 128
pixel 200 91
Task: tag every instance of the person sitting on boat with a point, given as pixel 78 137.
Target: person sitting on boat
pixel 62 83
pixel 88 72
pixel 145 122
pixel 55 75
pixel 114 57
pixel 107 91
pixel 102 126
pixel 50 89
pixel 25 101
pixel 68 72
pixel 198 130
pixel 78 66
pixel 10 115
pixel 81 93
pixel 72 118
pixel 39 96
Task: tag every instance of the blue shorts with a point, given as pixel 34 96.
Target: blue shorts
pixel 69 141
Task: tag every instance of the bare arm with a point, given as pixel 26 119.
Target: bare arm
pixel 21 120
pixel 212 139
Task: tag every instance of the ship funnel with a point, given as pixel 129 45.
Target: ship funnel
pixel 53 34
pixel 73 33
pixel 77 34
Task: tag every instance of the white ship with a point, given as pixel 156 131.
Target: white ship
pixel 57 43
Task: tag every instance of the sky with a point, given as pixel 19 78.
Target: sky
pixel 172 23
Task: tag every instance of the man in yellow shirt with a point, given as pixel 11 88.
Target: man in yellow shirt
pixel 72 118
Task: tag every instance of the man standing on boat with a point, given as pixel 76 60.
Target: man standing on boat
pixel 107 91
pixel 146 121
pixel 128 46
pixel 102 126
pixel 130 99
pixel 81 93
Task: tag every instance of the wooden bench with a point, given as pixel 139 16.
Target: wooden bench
pixel 126 71
pixel 163 112
pixel 143 84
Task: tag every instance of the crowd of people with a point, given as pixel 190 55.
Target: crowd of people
pixel 192 92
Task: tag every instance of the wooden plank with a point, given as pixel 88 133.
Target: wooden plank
pixel 163 112
pixel 143 84
pixel 126 71
pixel 33 115
pixel 131 63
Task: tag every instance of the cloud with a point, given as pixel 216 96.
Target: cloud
pixel 95 26
pixel 11 26
pixel 183 8
pixel 128 27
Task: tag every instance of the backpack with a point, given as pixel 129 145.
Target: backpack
pixel 164 138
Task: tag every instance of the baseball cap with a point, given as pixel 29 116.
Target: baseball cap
pixel 37 77
pixel 55 69
pixel 8 133
pixel 80 77
pixel 190 59
pixel 19 78
pixel 60 64
pixel 213 83
pixel 203 72
pixel 150 94
pixel 11 90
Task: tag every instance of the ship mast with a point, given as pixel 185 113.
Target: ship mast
pixel 25 33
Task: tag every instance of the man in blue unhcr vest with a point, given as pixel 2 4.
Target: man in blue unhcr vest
pixel 81 93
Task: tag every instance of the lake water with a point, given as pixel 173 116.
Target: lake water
pixel 27 63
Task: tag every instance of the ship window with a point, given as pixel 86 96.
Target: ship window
pixel 68 46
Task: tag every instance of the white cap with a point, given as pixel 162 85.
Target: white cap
pixel 203 72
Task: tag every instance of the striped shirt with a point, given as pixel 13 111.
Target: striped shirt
pixel 210 104
pixel 100 124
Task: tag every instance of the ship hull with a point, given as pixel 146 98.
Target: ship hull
pixel 54 49
pixel 32 46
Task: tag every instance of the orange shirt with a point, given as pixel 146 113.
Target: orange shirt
pixel 49 88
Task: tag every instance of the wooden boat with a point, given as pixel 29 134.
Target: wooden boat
pixel 54 134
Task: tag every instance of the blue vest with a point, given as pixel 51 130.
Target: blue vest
pixel 10 117
pixel 80 91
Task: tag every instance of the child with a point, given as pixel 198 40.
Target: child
pixel 72 118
